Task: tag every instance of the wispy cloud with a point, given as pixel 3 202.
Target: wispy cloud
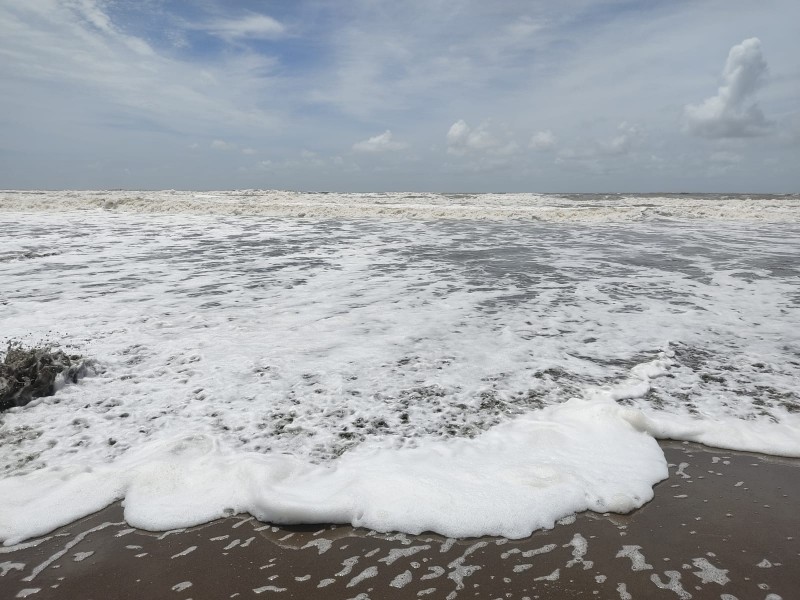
pixel 250 26
pixel 623 142
pixel 543 140
pixel 222 145
pixel 77 46
pixel 379 143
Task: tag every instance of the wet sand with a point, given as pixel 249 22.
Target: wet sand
pixel 725 525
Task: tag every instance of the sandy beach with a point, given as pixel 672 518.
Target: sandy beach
pixel 722 526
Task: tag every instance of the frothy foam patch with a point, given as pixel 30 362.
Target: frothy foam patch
pixel 564 459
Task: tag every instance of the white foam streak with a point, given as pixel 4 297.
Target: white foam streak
pixel 779 439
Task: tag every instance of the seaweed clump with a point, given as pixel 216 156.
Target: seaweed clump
pixel 28 373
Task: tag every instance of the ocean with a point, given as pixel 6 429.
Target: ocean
pixel 469 364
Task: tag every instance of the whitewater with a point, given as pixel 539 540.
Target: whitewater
pixel 469 364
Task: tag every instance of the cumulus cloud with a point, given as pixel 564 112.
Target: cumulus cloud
pixel 253 26
pixel 543 140
pixel 378 143
pixel 461 138
pixel 481 149
pixel 733 113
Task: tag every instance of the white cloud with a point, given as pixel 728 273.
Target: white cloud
pixel 248 151
pixel 92 14
pixel 222 145
pixel 731 113
pixel 623 142
pixel 457 135
pixel 461 138
pixel 253 26
pixel 486 148
pixel 543 140
pixel 524 27
pixel 378 143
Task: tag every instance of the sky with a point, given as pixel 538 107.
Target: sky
pixel 403 95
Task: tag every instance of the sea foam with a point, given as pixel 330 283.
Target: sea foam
pixel 469 376
pixel 520 476
pixel 595 208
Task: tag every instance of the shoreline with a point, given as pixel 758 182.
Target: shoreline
pixel 721 526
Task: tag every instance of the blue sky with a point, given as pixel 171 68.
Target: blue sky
pixel 357 95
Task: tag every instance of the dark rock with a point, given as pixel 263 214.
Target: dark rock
pixel 28 373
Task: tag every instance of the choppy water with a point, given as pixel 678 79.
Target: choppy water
pixel 586 208
pixel 308 337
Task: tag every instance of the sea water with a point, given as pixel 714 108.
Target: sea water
pixel 465 364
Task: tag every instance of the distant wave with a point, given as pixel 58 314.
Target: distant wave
pixel 426 206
